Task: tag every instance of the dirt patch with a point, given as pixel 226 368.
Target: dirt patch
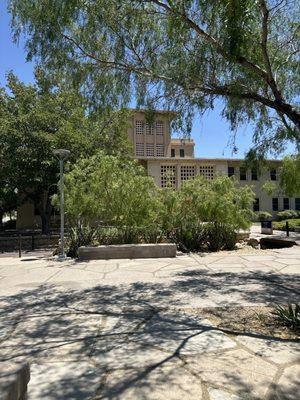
pixel 258 320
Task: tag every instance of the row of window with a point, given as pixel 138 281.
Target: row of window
pixel 254 174
pixel 142 127
pixel 275 204
pixel 140 150
pixel 181 153
pixel 168 173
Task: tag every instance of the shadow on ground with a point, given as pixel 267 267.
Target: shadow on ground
pixel 126 341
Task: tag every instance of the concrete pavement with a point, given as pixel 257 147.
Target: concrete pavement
pixel 131 329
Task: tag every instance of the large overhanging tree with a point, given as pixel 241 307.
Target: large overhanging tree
pixel 181 54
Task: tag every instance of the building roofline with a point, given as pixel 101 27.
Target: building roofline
pixel 183 140
pixel 144 110
pixel 174 159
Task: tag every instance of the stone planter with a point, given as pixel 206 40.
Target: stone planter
pixel 156 250
pixel 14 378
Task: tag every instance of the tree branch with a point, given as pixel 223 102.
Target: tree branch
pixel 264 46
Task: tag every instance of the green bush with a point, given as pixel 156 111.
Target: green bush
pixel 188 238
pixel 263 216
pixel 286 214
pixel 112 191
pixel 220 237
pixel 281 225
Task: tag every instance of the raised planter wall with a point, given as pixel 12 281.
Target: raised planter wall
pixel 13 381
pixel 159 250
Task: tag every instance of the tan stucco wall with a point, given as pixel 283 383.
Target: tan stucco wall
pixel 26 218
pixel 221 167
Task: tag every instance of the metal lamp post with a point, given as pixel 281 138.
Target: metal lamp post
pixel 61 155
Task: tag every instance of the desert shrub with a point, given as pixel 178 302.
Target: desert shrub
pixel 204 214
pixel 281 225
pixel 288 315
pixel 78 237
pixel 263 216
pixel 189 237
pixel 110 190
pixel 219 236
pixel 286 214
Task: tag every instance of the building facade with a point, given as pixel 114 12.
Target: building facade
pixel 171 161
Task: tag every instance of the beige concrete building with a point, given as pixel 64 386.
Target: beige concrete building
pixel 172 161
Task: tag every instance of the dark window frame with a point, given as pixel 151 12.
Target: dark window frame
pixel 254 174
pixel 230 171
pixel 286 203
pixel 243 174
pixel 297 203
pixel 181 153
pixel 275 203
pixel 256 204
pixel 173 153
pixel 273 174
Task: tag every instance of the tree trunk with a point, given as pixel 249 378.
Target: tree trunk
pixel 45 212
pixel 45 223
pixel 1 219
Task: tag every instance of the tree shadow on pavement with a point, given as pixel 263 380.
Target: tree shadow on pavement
pixel 124 340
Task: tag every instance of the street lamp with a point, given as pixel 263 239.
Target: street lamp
pixel 61 155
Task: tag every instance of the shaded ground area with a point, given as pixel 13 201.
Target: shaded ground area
pixel 135 329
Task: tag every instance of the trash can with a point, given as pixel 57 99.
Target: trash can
pixel 267 227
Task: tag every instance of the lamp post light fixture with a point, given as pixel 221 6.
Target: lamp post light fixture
pixel 61 155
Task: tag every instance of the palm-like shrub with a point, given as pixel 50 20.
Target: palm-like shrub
pixel 288 315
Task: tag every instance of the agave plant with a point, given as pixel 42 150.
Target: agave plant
pixel 288 315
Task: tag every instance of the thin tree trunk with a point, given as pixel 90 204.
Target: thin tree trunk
pixel 45 211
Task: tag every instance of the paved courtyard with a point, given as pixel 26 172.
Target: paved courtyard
pixel 133 329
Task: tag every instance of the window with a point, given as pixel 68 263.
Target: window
pixel 286 203
pixel 253 174
pixel 275 206
pixel 243 174
pixel 159 128
pixel 256 205
pixel 207 171
pixel 150 150
pixel 297 203
pixel 181 152
pixel 139 149
pixel 139 127
pixel 149 129
pixel 160 150
pixel 168 176
pixel 273 174
pixel 230 171
pixel 172 152
pixel 187 172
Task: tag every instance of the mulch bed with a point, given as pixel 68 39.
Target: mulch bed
pixel 257 320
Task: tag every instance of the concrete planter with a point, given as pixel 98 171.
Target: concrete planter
pixel 156 250
pixel 13 381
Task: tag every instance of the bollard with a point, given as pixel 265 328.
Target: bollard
pixel 32 242
pixel 287 228
pixel 20 246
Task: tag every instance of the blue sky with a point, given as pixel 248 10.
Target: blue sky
pixel 211 133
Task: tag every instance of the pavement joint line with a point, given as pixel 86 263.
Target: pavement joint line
pixel 52 276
